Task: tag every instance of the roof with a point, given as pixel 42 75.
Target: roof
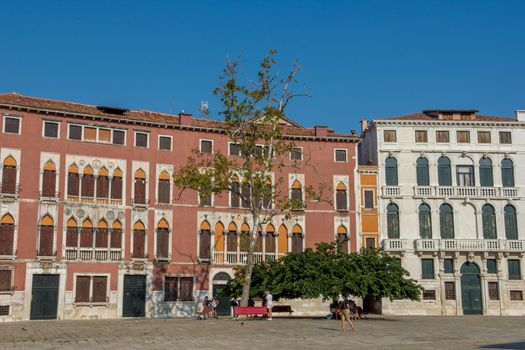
pixel 14 100
pixel 432 115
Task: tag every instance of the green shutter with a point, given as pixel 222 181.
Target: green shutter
pixel 391 171
pixel 427 268
pixel 507 173
pixel 514 269
pixel 511 225
pixel 488 222
pixel 485 172
pixel 446 221
pixel 444 172
pixel 448 265
pixel 492 266
pixel 425 222
pixel 392 218
pixel 422 172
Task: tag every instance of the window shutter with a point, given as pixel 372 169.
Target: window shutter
pixel 258 243
pixel 163 243
pixel 244 242
pixel 297 243
pixel 392 218
pixel 444 173
pixel 245 190
pixel 100 285
pixel 511 225
pixel 205 244
pixel 5 280
pixel 139 237
pixel 231 245
pixel 101 240
pixel 48 183
pixel 492 266
pixel 206 146
pixel 102 187
pixel 9 180
pixel 140 191
pixel 116 187
pixel 86 237
pixel 186 288
pixel 164 191
pixel 72 184
pixel 234 195
pixel 369 199
pixel 507 173
pixel 83 287
pixel 422 172
pixel 446 221
pixel 270 243
pixel 391 171
pixel 7 234
pixel 425 225
pixel 341 200
pixel 448 265
pixel 485 173
pixel 514 269
pixel 71 237
pixel 88 185
pixel 297 194
pixel 489 223
pixel 46 241
pixel 427 267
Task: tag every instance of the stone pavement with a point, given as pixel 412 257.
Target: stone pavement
pixel 380 332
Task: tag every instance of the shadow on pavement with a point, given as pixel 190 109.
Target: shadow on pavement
pixel 516 345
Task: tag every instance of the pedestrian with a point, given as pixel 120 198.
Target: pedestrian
pixel 269 304
pixel 251 302
pixel 344 312
pixel 214 305
pixel 234 304
pixel 205 308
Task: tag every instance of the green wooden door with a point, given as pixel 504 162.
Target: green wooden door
pixel 224 307
pixel 471 289
pixel 44 297
pixel 134 301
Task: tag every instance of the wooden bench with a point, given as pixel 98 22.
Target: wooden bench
pixel 282 308
pixel 250 310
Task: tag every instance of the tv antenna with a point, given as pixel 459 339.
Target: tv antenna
pixel 204 109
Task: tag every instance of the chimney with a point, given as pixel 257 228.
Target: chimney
pixel 354 132
pixel 364 125
pixel 520 115
pixel 321 130
pixel 185 118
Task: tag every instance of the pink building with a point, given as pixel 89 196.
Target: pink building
pixel 92 227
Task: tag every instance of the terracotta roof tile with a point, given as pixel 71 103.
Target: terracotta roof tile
pixel 423 116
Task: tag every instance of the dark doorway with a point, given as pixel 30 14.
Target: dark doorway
pixel 44 300
pixel 221 282
pixel 471 289
pixel 134 301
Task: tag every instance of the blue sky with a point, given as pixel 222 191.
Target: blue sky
pixel 359 59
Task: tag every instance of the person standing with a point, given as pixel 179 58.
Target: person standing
pixel 234 304
pixel 215 304
pixel 269 304
pixel 344 311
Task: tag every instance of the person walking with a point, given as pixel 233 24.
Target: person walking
pixel 269 304
pixel 234 304
pixel 344 312
pixel 214 305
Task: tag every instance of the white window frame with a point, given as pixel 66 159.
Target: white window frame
pixel 374 204
pixel 118 144
pixel 212 146
pixel 233 155
pixel 81 132
pixel 6 116
pixel 346 153
pixel 91 275
pixel 44 129
pixel 298 160
pixel 171 143
pixel 135 138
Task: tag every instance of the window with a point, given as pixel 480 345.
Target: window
pixel 88 183
pixel 234 149
pixel 104 135
pixel 450 291
pixel 516 295
pixel 246 195
pixel 235 193
pixel 141 139
pixel 119 137
pixel 205 241
pixel 429 294
pixel 511 223
pixel 391 171
pixel 163 240
pixel 446 221
pixel 90 134
pixel 370 243
pixel 72 233
pixel 116 235
pixel 178 288
pixel 488 220
pixel 51 129
pixel 7 235
pixel 103 183
pixel 425 221
pixel 485 172
pixel 49 180
pixel 421 136
pixel 116 184
pixel 427 268
pixel 444 172
pixel 340 155
pixel 505 137
pixel 493 291
pixel 75 132
pixel 465 175
pixel 91 289
pixel 492 266
pixel 4 310
pixel 140 187
pixel 442 137
pixel 392 218
pixel 163 189
pixel 448 265
pixel 422 172
pixel 46 236
pixel 463 136
pixel 389 136
pixel 369 199
pixel 297 153
pixel 507 172
pixel 5 280
pixel 102 234
pixel 86 234
pixel 340 197
pixel 11 125
pixel 342 239
pixel 206 146
pixel 484 137
pixel 9 176
pixel 296 193
pixel 297 239
pixel 269 240
pixel 165 143
pixel 514 269
pixel 139 240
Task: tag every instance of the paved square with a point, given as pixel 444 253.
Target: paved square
pixel 467 332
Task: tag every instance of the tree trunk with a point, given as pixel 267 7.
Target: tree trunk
pixel 249 261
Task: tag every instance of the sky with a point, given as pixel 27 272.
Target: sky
pixel 358 59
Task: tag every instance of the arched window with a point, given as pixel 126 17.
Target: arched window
pixel 7 235
pixel 269 240
pixel 163 240
pixel 232 238
pixel 219 243
pixel 342 239
pixel 283 239
pixel 297 192
pixel 488 216
pixel 485 172
pixel 116 235
pixel 259 241
pixel 46 236
pixel 391 171
pixel 234 193
pixel 244 239
pixel 86 234
pixel 140 187
pixel 507 172
pixel 88 183
pixel 511 223
pixel 164 187
pixel 425 221
pixel 9 176
pixel 103 183
pixel 297 238
pixel 340 197
pixel 101 239
pixel 72 181
pixel 444 172
pixel 116 184
pixel 422 172
pixel 446 221
pixel 49 180
pixel 392 219
pixel 205 241
pixel 72 233
pixel 139 240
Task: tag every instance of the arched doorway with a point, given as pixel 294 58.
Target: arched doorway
pixel 471 289
pixel 221 282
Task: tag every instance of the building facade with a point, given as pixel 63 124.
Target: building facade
pixel 368 215
pixel 451 187
pixel 91 225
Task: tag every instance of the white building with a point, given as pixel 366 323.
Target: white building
pixel 451 203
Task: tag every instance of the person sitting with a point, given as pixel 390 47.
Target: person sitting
pixel 251 302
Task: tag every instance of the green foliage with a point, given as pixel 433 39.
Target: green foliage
pixel 328 273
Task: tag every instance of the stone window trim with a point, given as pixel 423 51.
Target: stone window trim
pixel 429 294
pixel 46 122
pixel 516 295
pixel 442 136
pixel 421 136
pixel 11 290
pixel 178 277
pixel 159 145
pixel 462 136
pixel 141 132
pixel 98 128
pixel 232 146
pixel 296 153
pixel 369 200
pixel 493 290
pixel 484 137
pixel 91 275
pixel 12 117
pixel 340 152
pixel 203 142
pixel 505 137
pixel 389 136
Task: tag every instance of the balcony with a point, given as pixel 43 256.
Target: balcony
pixel 54 197
pixel 140 204
pixel 93 254
pixel 391 191
pixel 238 258
pixel 10 195
pixel 395 245
pixel 469 245
pixel 465 192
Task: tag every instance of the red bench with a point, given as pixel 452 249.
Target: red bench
pixel 250 310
